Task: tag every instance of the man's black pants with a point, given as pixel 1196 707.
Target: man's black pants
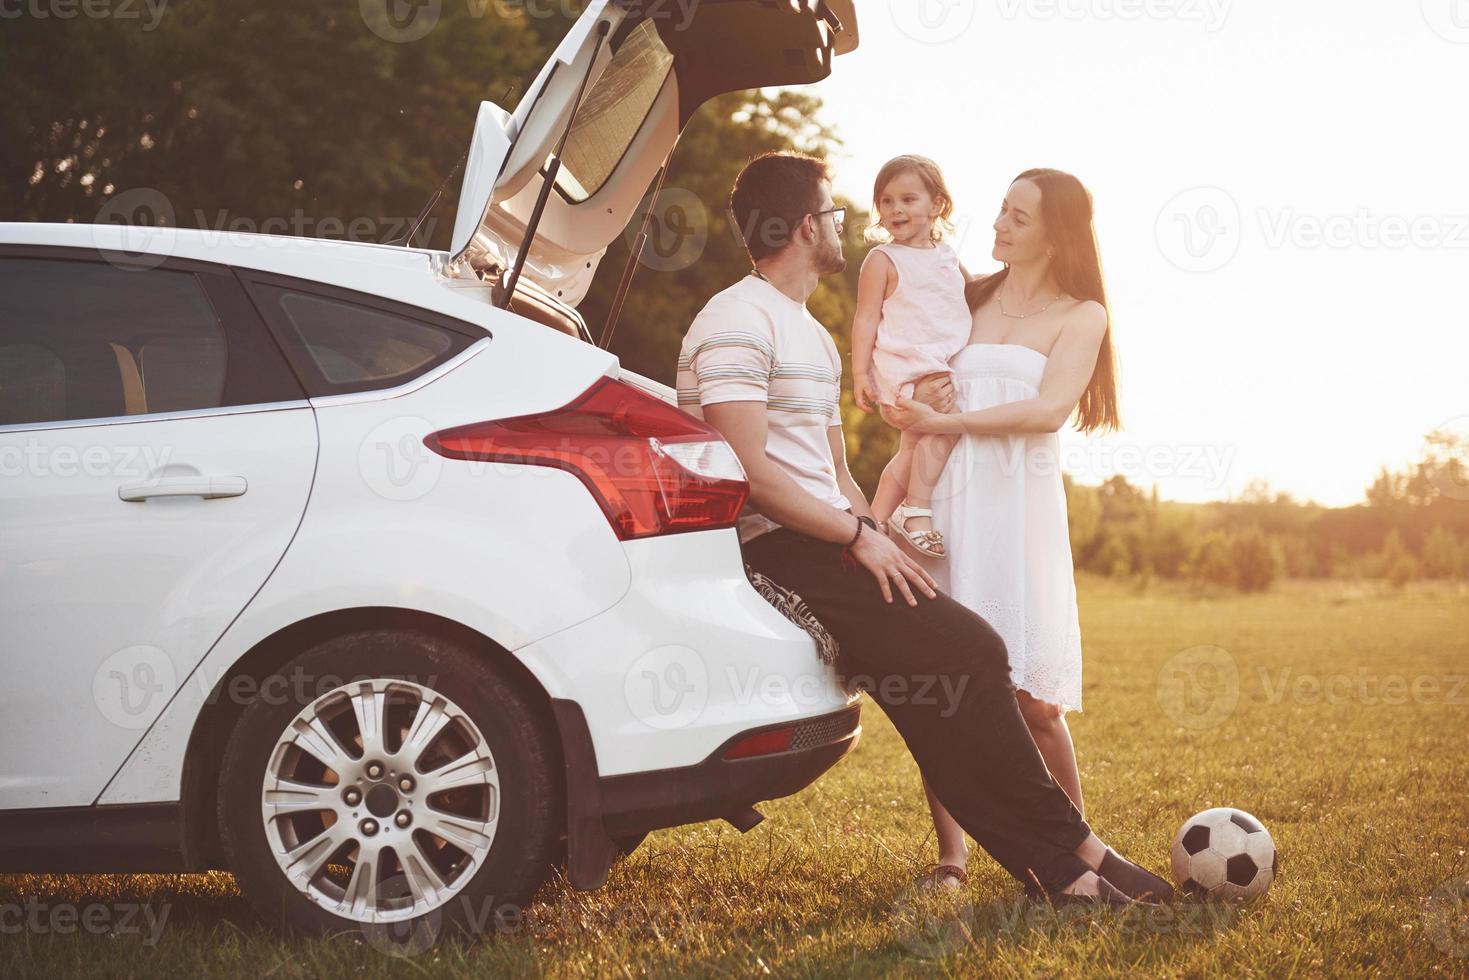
pixel 942 674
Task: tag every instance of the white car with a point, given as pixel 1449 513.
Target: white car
pixel 320 565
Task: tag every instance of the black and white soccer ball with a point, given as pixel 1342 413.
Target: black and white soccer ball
pixel 1224 853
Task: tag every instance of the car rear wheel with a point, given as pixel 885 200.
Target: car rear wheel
pixel 412 790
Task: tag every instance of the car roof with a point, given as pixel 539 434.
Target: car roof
pixel 366 266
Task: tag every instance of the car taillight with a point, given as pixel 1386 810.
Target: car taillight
pixel 652 468
pixel 771 742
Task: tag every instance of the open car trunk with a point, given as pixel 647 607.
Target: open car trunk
pixel 642 77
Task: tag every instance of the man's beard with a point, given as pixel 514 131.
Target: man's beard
pixel 832 262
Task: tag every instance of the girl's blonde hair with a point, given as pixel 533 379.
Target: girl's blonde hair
pixel 933 181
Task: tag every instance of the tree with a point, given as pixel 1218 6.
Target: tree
pixel 1211 562
pixel 1443 557
pixel 1256 560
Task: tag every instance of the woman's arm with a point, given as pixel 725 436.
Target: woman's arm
pixel 1068 370
pixel 872 289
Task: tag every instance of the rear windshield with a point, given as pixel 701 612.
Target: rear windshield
pixel 612 112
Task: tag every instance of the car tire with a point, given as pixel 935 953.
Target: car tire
pixel 443 819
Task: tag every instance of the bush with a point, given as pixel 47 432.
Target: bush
pixel 1211 561
pixel 1442 555
pixel 1403 570
pixel 1256 559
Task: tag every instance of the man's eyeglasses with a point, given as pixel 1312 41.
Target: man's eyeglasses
pixel 838 216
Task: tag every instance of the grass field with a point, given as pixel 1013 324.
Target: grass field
pixel 1347 734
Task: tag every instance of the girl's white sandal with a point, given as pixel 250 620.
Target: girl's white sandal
pixel 923 541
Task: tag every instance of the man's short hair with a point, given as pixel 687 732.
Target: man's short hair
pixel 771 196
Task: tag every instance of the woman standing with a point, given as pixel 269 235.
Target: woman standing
pixel 1039 353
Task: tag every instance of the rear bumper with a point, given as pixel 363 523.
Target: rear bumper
pixel 600 808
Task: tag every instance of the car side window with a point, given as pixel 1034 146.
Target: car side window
pixel 340 345
pixel 88 340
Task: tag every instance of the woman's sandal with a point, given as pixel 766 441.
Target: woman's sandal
pixel 923 541
pixel 936 880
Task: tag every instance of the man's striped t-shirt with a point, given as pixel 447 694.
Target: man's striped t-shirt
pixel 752 342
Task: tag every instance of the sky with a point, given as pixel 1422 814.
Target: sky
pixel 1282 199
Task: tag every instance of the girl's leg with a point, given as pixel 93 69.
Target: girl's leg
pixel 953 848
pixel 1047 726
pixel 929 457
pixel 892 487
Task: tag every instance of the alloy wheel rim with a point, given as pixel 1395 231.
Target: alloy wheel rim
pixel 380 800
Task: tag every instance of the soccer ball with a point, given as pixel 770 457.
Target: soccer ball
pixel 1224 853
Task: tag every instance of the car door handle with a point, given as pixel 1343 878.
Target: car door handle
pixel 208 487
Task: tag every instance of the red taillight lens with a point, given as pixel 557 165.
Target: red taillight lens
pixel 761 743
pixel 653 468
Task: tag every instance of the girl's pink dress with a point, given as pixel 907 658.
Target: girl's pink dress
pixel 924 322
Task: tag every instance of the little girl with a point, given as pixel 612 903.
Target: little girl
pixel 911 318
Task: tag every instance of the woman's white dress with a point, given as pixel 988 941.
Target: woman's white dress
pixel 1001 507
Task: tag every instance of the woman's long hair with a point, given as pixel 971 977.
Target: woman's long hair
pixel 1066 210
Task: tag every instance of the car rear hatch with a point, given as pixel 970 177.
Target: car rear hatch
pixel 640 79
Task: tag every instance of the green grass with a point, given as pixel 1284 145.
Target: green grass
pixel 1361 781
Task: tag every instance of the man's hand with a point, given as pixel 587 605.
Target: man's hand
pixel 887 563
pixel 936 391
